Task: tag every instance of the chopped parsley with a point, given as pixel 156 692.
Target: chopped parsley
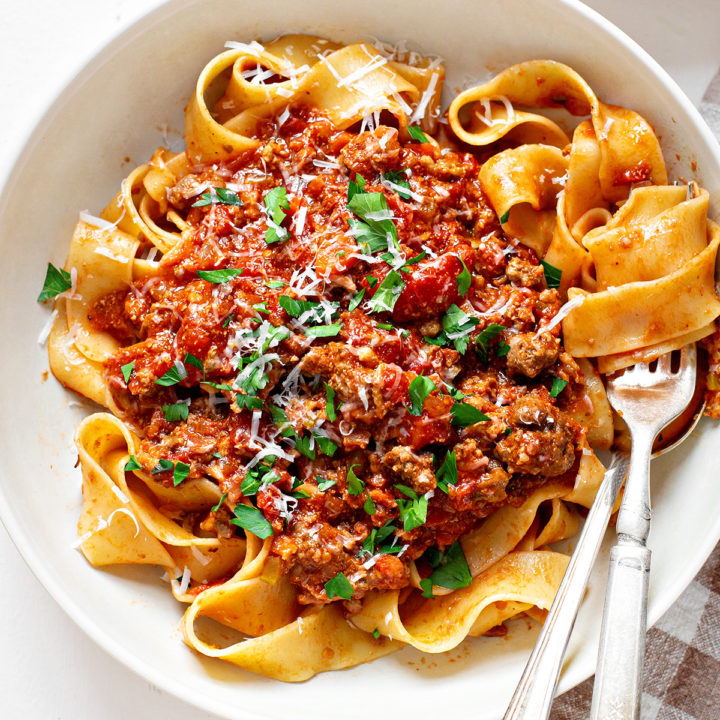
pixel 354 483
pixel 482 341
pixel 218 196
pixel 251 520
pixel 325 483
pixel 356 300
pixel 280 419
pixel 558 386
pixel 172 377
pixel 358 186
pixel 552 274
pixel 417 134
pixel 276 202
pixel 228 319
pixel 261 307
pixel 387 293
pixel 447 473
pixel 503 350
pixel 180 472
pixel 261 475
pixel 419 389
pixel 195 362
pixel 339 586
pixel 248 401
pixel 505 217
pixel 217 507
pixel 163 465
pixel 57 281
pixel 305 446
pixel 369 506
pixel 450 569
pixel 324 330
pixel 330 403
pixel 465 415
pixel 132 464
pixel 275 284
pixel 175 413
pixel 375 230
pixel 219 276
pixel 400 183
pixel 377 536
pixel 127 370
pixel 456 327
pixel 464 279
pixel 413 511
pixel 327 446
pixel 376 634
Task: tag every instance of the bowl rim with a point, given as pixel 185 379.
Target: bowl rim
pixel 74 79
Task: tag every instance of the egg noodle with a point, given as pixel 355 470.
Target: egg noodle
pixel 628 273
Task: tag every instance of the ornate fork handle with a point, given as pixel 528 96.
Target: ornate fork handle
pixel 617 689
pixel 534 695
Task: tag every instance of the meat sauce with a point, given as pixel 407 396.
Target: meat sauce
pixel 327 421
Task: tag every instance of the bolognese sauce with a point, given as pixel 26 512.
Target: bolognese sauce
pixel 348 344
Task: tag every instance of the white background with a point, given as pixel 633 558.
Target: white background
pixel 49 670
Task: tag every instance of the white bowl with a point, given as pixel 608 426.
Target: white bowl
pixel 113 109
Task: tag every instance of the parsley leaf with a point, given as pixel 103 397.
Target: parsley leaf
pixel 305 446
pixel 327 446
pixel 175 413
pixel 482 341
pixel 219 276
pixel 372 234
pixel 399 180
pixel 330 403
pixel 464 279
pixel 387 293
pixel 356 300
pixel 275 200
pixel 275 284
pixel 163 465
pixel 552 274
pixel 377 535
pixel 195 362
pixel 457 325
pixel 215 508
pixel 369 506
pixel 447 473
pixel 450 568
pixel 280 418
pixel 505 217
pixel 558 386
pixel 251 520
pixel 296 308
pixel 355 484
pixel 126 371
pixel 465 415
pixel 376 634
pixel 324 330
pixel 339 586
pixel 172 377
pixel 325 483
pixel 57 281
pixel 417 134
pixel 503 350
pixel 218 196
pixel 132 464
pixel 419 389
pixel 413 512
pixel 180 472
pixel 248 401
pixel 358 186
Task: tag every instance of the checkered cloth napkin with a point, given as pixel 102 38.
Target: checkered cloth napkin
pixel 682 654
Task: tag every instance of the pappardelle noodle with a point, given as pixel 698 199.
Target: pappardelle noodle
pixel 351 349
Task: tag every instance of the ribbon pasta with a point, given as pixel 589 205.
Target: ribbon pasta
pixel 637 258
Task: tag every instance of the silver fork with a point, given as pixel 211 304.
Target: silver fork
pixel 534 694
pixel 647 400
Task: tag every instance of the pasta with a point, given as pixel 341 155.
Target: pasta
pixel 351 351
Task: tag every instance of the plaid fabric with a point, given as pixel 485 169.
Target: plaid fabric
pixel 682 654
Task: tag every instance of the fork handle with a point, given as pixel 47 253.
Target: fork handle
pixel 534 694
pixel 618 680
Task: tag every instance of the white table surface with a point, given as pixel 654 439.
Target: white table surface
pixel 49 669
